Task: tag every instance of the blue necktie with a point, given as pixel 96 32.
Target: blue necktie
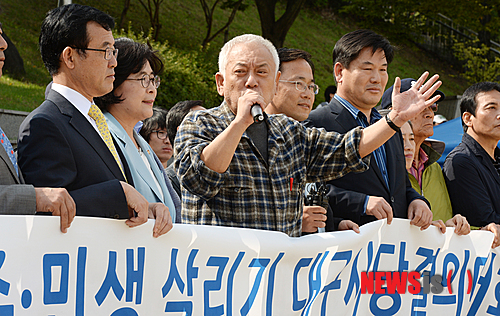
pixel 8 148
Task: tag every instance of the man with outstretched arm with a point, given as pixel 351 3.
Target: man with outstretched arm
pixel 238 173
pixel 361 59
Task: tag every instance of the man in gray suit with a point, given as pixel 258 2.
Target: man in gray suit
pixel 17 198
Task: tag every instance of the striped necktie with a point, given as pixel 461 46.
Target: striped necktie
pixel 102 126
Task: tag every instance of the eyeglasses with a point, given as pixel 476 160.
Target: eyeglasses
pixel 300 86
pixel 108 52
pixel 433 107
pixel 160 134
pixel 146 79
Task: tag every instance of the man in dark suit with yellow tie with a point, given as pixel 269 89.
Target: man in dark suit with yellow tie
pixel 65 142
pixel 17 198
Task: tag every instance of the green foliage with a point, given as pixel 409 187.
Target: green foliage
pixel 189 71
pixel 479 15
pixel 24 32
pixel 324 5
pixel 230 4
pixel 186 76
pixel 395 17
pixel 478 65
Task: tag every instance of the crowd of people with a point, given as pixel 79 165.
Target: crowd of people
pixel 98 147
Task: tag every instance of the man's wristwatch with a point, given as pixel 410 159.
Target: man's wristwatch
pixel 391 124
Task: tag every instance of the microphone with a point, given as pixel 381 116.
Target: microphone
pixel 257 114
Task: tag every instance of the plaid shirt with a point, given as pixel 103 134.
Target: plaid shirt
pixel 253 193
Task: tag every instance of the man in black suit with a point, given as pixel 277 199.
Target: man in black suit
pixel 360 61
pixel 18 198
pixel 65 142
pixel 471 169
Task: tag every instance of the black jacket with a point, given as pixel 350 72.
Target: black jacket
pixel 347 195
pixel 473 182
pixel 58 147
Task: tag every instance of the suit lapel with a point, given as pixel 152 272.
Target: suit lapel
pixel 391 153
pixel 347 121
pixel 342 116
pixel 87 131
pixel 5 157
pixel 145 174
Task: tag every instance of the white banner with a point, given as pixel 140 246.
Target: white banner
pixel 102 267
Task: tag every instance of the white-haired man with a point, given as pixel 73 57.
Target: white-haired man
pixel 237 173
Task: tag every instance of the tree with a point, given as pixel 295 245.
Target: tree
pixel 234 5
pixel 186 75
pixel 482 16
pixel 126 6
pixel 401 17
pixel 273 30
pixel 153 10
pixel 479 64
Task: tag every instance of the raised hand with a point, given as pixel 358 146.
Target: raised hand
pixel 406 105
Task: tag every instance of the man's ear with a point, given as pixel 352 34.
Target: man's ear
pixel 338 70
pixel 278 76
pixel 219 81
pixel 467 118
pixel 68 57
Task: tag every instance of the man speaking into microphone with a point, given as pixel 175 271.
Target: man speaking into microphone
pixel 238 173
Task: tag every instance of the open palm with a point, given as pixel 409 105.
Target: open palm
pixel 413 101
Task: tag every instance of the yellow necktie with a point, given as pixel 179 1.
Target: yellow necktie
pixel 102 126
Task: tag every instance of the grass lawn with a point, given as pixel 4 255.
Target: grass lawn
pixel 20 96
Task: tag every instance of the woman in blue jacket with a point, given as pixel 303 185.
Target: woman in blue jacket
pixel 134 92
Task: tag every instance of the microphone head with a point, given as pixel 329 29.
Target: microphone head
pixel 257 114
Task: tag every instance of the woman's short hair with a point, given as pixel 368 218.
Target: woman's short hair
pixel 132 57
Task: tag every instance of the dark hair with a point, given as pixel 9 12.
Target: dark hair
pixel 330 90
pixel 350 45
pixel 291 54
pixel 176 114
pixel 468 102
pixel 155 122
pixel 131 58
pixel 67 26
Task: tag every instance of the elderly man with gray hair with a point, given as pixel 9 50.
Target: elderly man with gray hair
pixel 237 172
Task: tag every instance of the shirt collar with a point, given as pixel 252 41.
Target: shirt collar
pixel 423 157
pixel 76 98
pixel 355 112
pixel 418 170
